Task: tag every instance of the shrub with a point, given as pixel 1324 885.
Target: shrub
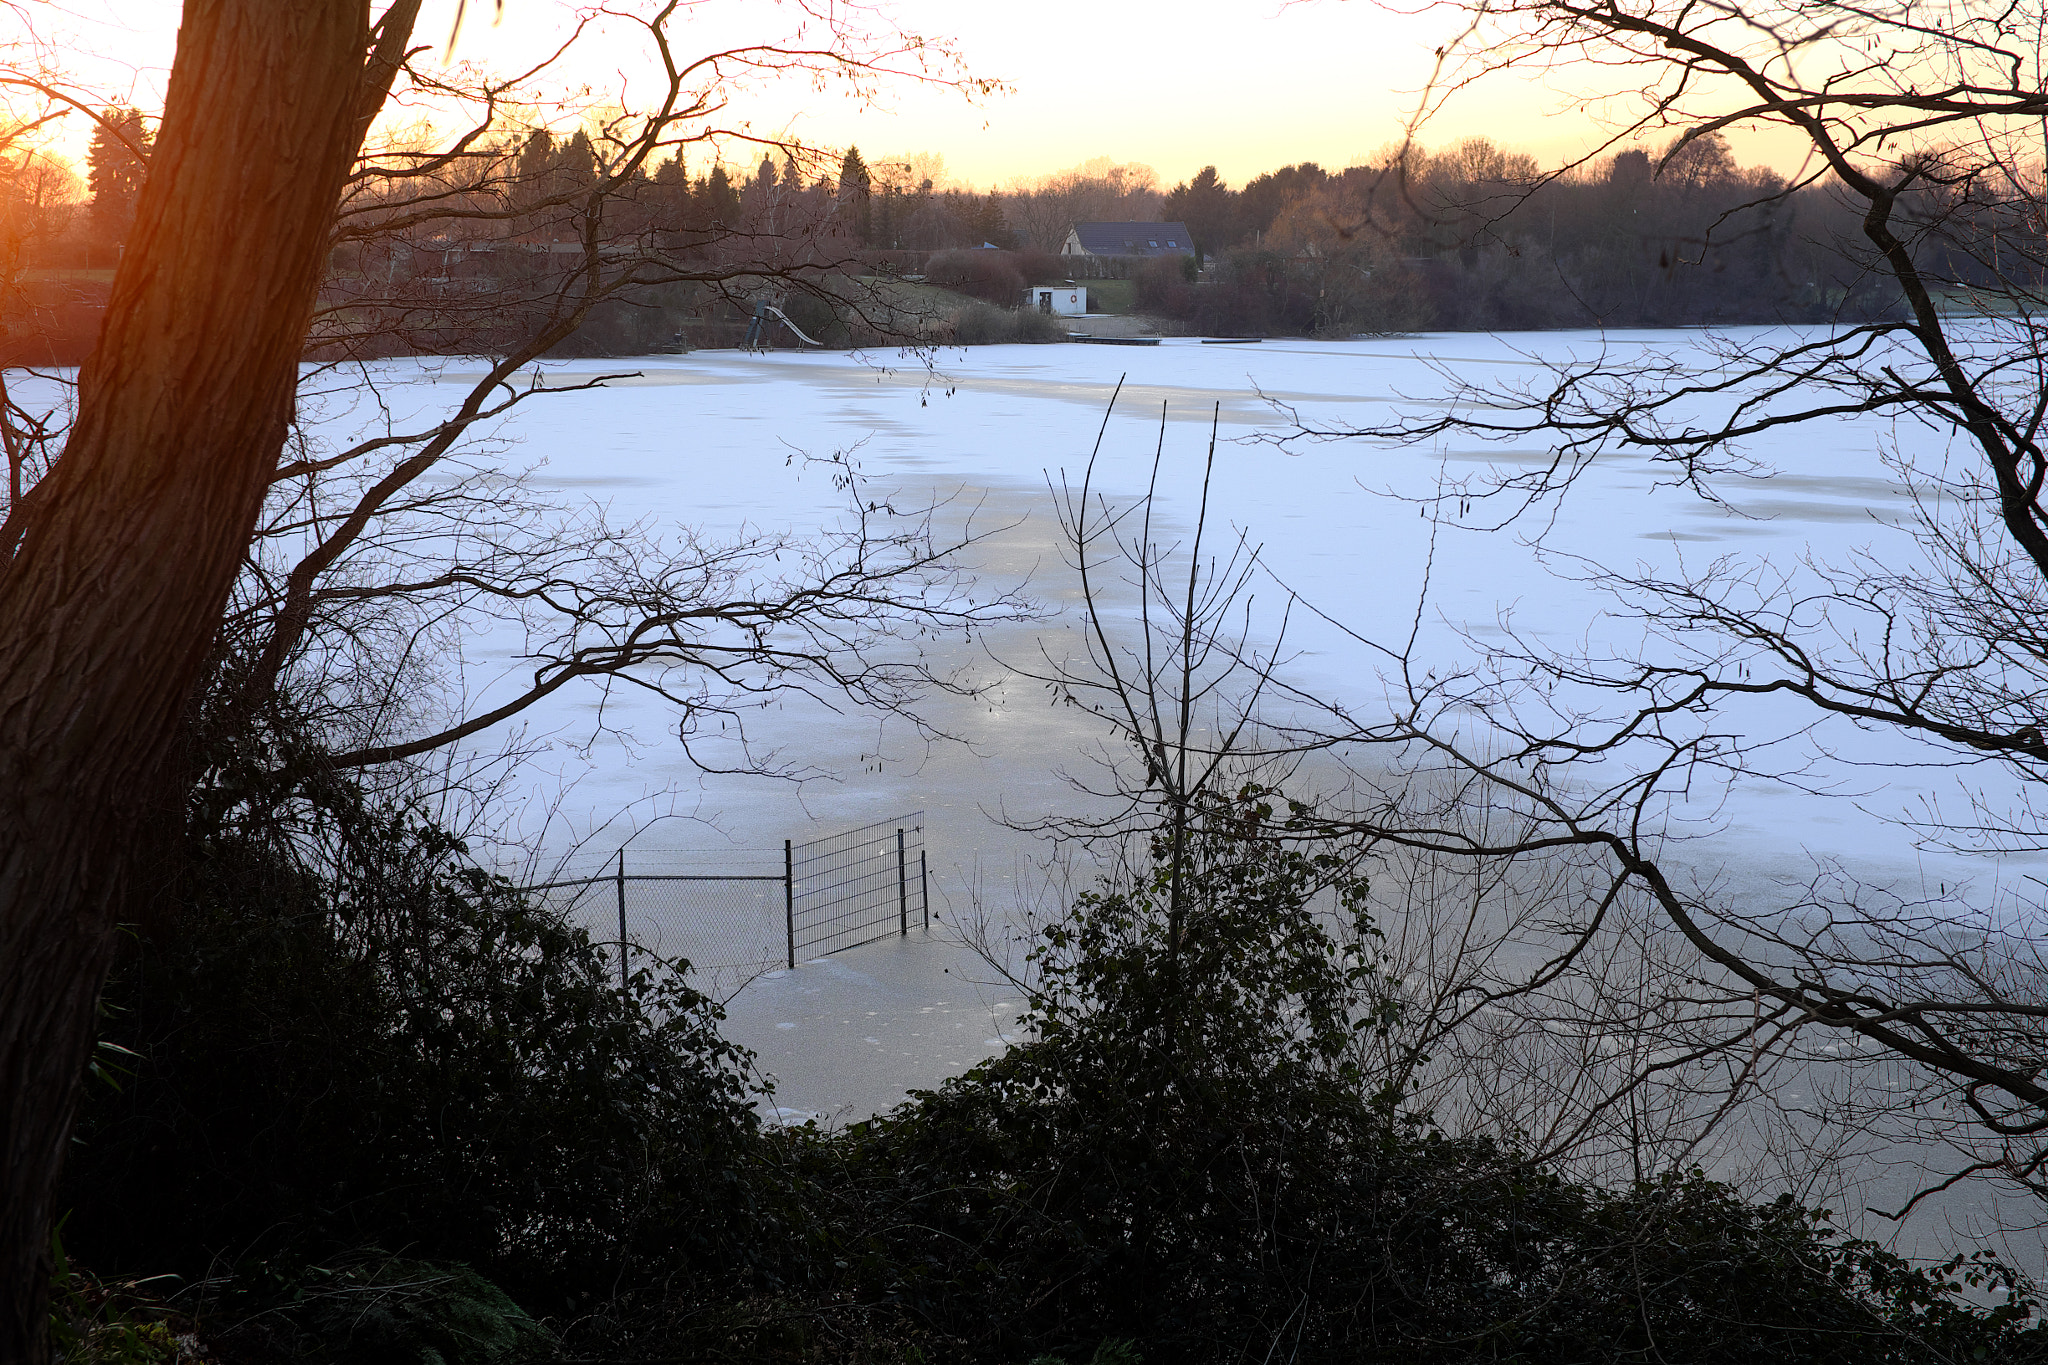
pixel 1268 293
pixel 991 276
pixel 818 318
pixel 1041 267
pixel 1185 1158
pixel 386 1046
pixel 354 1310
pixel 373 1310
pixel 1163 288
pixel 998 277
pixel 351 1037
pixel 980 325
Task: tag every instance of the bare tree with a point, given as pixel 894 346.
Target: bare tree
pixel 1491 1010
pixel 1179 692
pixel 1098 190
pixel 132 526
pixel 1927 120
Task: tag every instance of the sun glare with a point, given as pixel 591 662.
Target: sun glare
pixel 1245 87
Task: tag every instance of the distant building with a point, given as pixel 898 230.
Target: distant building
pixel 1128 239
pixel 1065 300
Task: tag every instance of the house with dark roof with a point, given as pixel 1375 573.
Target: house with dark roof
pixel 1128 239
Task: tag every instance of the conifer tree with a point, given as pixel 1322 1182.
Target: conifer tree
pixel 577 165
pixel 671 194
pixel 718 200
pixel 1208 207
pixel 530 174
pixel 988 225
pixel 116 164
pixel 855 185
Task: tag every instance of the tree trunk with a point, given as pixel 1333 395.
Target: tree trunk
pixel 124 555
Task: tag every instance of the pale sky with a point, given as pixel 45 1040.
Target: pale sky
pixel 1247 85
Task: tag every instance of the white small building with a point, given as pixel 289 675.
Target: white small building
pixel 1063 300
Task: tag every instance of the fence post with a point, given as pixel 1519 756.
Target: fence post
pixel 623 983
pixel 789 902
pixel 924 888
pixel 902 889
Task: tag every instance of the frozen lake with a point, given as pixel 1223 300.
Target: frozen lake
pixel 715 440
pixel 709 440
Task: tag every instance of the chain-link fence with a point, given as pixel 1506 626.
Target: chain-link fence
pixel 829 894
pixel 713 920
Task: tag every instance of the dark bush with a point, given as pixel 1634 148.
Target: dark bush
pixel 363 1309
pixel 350 1037
pixel 1187 1158
pixel 991 276
pixel 980 325
pixel 998 277
pixel 818 317
pixel 1041 267
pixel 1163 288
pixel 373 1310
pixel 381 1045
pixel 1270 293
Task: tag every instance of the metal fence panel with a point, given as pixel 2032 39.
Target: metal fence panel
pixel 857 886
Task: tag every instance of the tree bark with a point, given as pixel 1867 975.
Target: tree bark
pixel 112 592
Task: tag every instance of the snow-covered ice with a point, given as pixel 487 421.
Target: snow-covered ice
pixel 712 440
pixel 708 439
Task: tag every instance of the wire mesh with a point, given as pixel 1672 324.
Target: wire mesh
pixel 712 921
pixel 857 886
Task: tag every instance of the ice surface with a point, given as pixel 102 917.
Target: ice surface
pixel 715 441
pixel 711 440
pixel 707 440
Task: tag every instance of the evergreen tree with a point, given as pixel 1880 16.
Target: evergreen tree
pixel 536 155
pixel 116 170
pixel 718 201
pixel 671 194
pixel 988 225
pixel 576 167
pixel 1260 202
pixel 1208 207
pixel 530 173
pixel 758 198
pixel 855 185
pixel 854 180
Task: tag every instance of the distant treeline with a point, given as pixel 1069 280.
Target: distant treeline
pixel 1477 238
pixel 1471 237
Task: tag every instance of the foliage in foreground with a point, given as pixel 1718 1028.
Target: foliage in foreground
pixel 369 1091
pixel 347 1035
pixel 359 1310
pixel 1188 1158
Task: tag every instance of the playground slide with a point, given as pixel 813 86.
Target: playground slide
pixel 777 312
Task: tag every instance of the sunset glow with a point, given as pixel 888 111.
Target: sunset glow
pixel 1244 85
